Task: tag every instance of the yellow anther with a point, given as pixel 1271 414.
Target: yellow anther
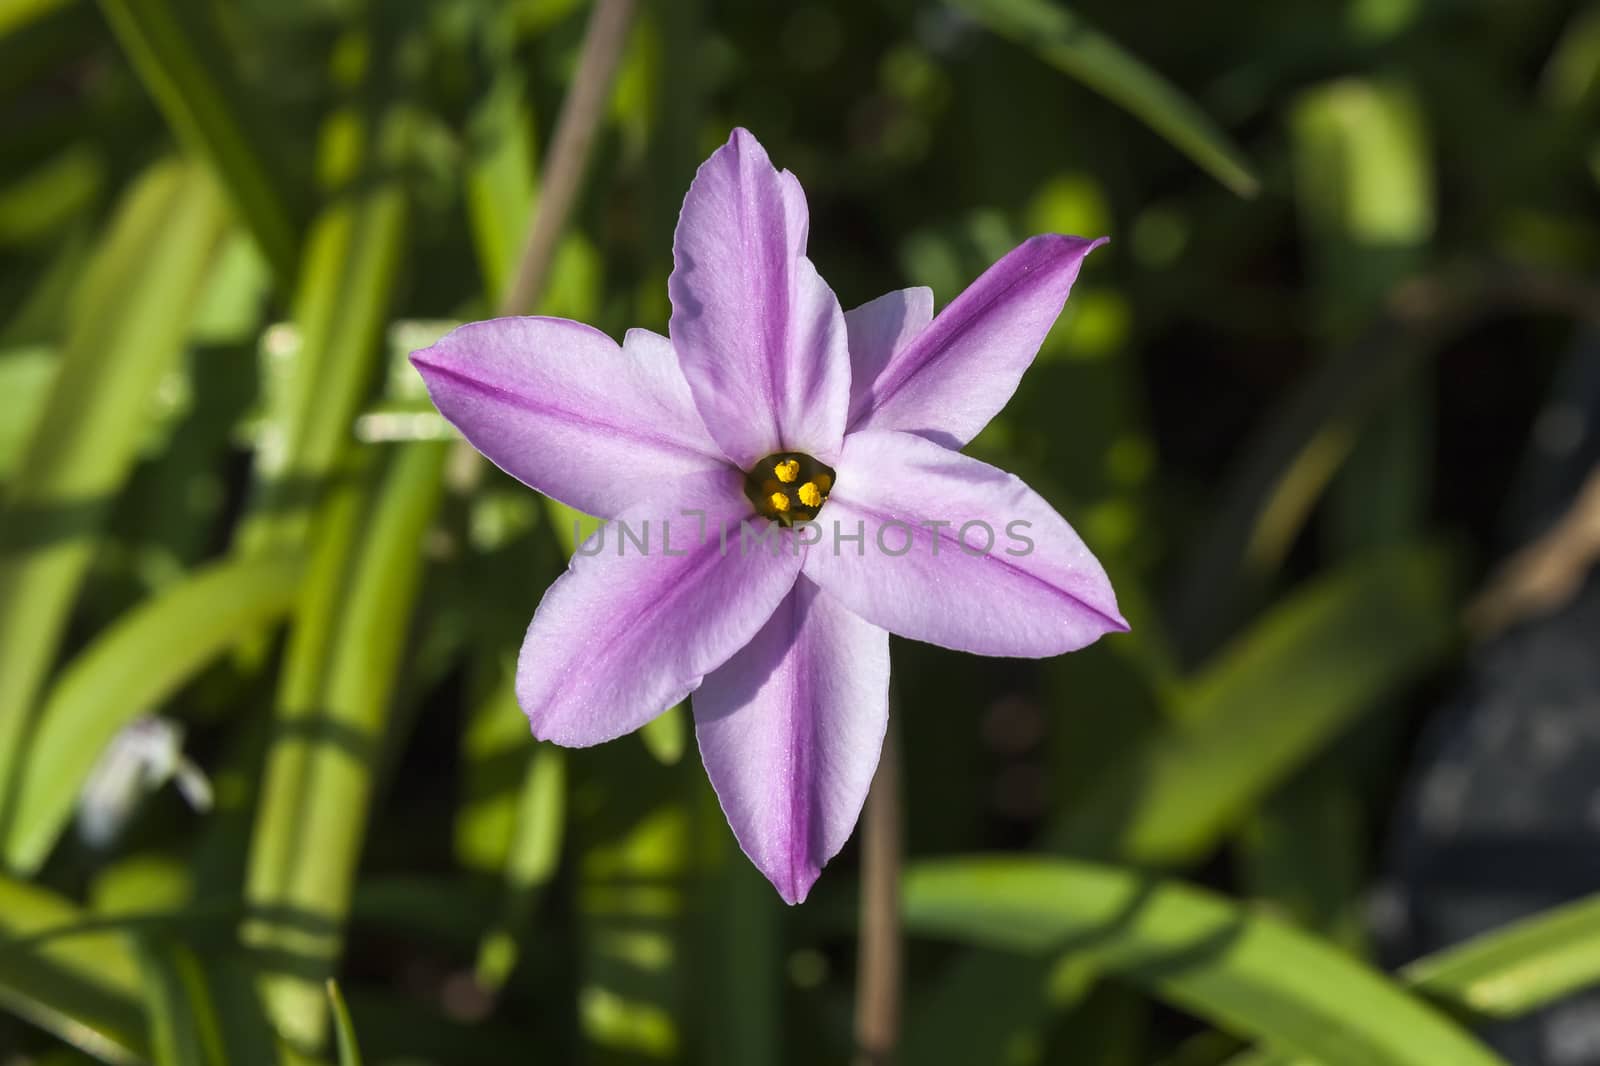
pixel 787 471
pixel 823 482
pixel 779 501
pixel 810 495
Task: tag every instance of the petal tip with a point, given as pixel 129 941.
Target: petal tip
pixel 796 885
pixel 1067 244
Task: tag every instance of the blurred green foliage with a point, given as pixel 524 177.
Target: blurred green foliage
pixel 1280 406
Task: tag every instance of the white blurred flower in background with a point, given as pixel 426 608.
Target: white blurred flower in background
pixel 139 760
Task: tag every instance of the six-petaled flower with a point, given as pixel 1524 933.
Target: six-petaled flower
pixel 769 406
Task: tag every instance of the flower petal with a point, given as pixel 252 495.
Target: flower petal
pixel 954 376
pixel 559 406
pixel 878 330
pixel 1036 591
pixel 628 631
pixel 790 730
pixel 759 335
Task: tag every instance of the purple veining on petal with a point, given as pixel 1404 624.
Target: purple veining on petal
pixel 1051 599
pixel 954 376
pixel 563 408
pixel 531 406
pixel 624 635
pixel 759 335
pixel 790 730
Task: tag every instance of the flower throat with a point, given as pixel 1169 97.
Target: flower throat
pixel 789 487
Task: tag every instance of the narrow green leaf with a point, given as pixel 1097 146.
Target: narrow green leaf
pixel 535 849
pixel 308 840
pixel 636 889
pixel 182 1031
pixel 132 310
pixel 1245 972
pixel 84 989
pixel 1272 699
pixel 25 376
pixel 349 1052
pixel 130 669
pixel 183 60
pixel 1519 969
pixel 39 205
pixel 15 14
pixel 1505 973
pixel 330 354
pixel 199 997
pixel 1067 43
pixel 495 751
pixel 500 178
pixel 312 633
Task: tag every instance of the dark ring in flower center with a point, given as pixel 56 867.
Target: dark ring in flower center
pixel 789 487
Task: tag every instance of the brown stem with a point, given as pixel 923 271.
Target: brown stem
pixel 878 962
pixel 580 116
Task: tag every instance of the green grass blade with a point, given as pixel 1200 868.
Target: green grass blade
pixel 311 637
pixel 130 669
pixel 1245 972
pixel 500 178
pixel 183 60
pixel 345 1033
pixel 1274 698
pixel 25 377
pixel 201 1002
pixel 309 833
pixel 84 989
pixel 347 280
pixel 1505 973
pixel 132 310
pixel 15 14
pixel 183 1032
pixel 1064 41
pixel 1519 969
pixel 535 850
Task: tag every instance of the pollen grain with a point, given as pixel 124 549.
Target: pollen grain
pixel 779 501
pixel 810 495
pixel 787 470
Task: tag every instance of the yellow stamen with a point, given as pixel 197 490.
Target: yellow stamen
pixel 823 483
pixel 787 471
pixel 779 501
pixel 809 494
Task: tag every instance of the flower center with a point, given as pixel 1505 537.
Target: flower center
pixel 789 487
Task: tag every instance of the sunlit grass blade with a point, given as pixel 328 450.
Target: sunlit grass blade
pixel 15 14
pixel 183 60
pixel 1506 973
pixel 530 863
pixel 1064 41
pixel 39 206
pixel 331 352
pixel 495 750
pixel 131 312
pixel 312 633
pixel 635 896
pixel 84 989
pixel 128 671
pixel 1271 700
pixel 512 823
pixel 501 182
pixel 1519 969
pixel 1245 972
pixel 181 1032
pixel 744 953
pixel 25 376
pixel 312 823
pixel 344 1031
